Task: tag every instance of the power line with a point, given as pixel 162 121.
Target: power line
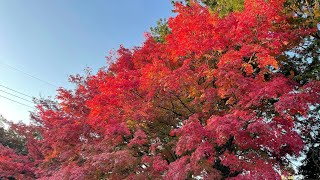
pixel 16 96
pixel 16 91
pixel 16 102
pixel 16 69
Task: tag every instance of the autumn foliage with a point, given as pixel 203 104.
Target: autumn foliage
pixel 209 102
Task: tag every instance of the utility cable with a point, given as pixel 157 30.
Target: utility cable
pixel 16 102
pixel 16 69
pixel 16 96
pixel 16 91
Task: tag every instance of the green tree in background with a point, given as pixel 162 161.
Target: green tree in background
pixel 160 31
pixel 222 7
pixel 10 138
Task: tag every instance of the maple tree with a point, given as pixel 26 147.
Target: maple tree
pixel 212 97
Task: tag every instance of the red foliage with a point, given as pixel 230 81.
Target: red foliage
pixel 206 103
pixel 13 165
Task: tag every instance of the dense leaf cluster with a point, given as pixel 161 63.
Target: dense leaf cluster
pixel 211 97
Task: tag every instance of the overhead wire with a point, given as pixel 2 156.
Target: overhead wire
pixel 16 101
pixel 26 95
pixel 32 76
pixel 16 96
pixel 21 93
pixel 15 91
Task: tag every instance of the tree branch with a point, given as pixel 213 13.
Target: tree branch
pixel 184 105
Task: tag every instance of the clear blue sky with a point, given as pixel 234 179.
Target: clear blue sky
pixel 51 40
